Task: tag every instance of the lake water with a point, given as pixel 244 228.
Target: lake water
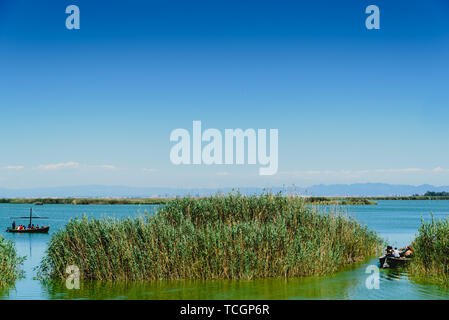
pixel 396 221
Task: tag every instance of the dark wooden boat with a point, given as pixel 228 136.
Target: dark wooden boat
pixel 40 230
pixel 43 229
pixel 392 262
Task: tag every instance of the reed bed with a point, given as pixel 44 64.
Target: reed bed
pixel 9 263
pixel 339 201
pixel 431 252
pixel 219 237
pixel 85 201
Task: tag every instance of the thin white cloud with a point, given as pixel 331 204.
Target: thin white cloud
pixel 105 166
pixel 399 170
pixel 312 172
pixel 73 164
pixel 349 173
pixel 324 172
pixel 439 169
pixel 14 167
pixel 56 166
pixel 413 170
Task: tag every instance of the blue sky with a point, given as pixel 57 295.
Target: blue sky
pixel 97 105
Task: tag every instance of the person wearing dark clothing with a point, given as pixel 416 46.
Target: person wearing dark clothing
pixel 389 251
pixel 13 225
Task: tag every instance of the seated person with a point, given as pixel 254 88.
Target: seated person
pixel 389 251
pixel 396 253
pixel 408 252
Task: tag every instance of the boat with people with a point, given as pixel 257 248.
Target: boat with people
pixel 43 229
pixel 394 258
pixel 31 228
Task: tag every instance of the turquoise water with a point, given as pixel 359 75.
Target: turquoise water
pixel 396 221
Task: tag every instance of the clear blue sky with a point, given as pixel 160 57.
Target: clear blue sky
pixel 97 105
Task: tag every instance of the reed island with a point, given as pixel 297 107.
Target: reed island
pixel 218 237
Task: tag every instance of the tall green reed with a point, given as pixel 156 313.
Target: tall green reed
pixel 431 252
pixel 9 263
pixel 219 237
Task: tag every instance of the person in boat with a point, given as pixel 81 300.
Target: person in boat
pixel 396 253
pixel 389 251
pixel 13 225
pixel 408 252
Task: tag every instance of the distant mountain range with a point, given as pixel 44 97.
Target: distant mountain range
pixel 99 191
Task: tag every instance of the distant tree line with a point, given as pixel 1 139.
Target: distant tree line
pixel 436 194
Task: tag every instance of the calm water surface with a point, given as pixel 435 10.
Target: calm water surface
pixel 396 221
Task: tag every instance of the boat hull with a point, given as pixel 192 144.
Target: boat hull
pixel 391 262
pixel 40 230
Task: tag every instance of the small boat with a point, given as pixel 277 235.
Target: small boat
pixel 43 229
pixel 40 230
pixel 392 262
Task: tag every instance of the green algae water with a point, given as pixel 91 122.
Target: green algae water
pixel 397 221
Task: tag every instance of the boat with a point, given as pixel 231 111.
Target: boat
pixel 40 230
pixel 392 262
pixel 43 229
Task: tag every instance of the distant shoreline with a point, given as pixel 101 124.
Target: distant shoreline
pixel 155 201
pixel 137 201
pixel 85 201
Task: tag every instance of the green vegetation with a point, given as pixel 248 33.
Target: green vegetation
pixel 9 263
pixel 431 252
pixel 436 194
pixel 429 195
pixel 85 201
pixel 219 237
pixel 142 201
pixel 339 201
